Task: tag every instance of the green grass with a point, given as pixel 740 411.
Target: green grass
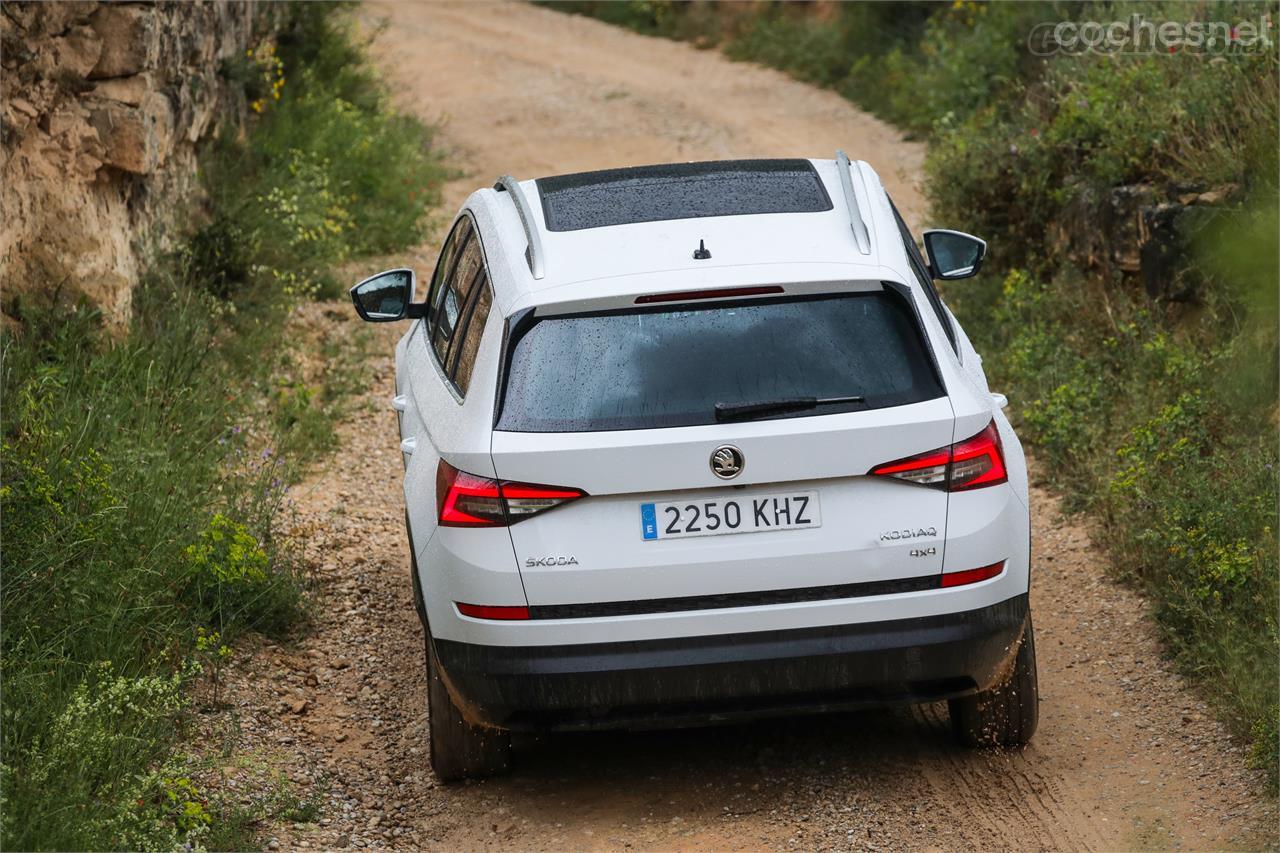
pixel 1151 405
pixel 335 172
pixel 136 509
pixel 146 470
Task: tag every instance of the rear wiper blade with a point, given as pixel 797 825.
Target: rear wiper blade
pixel 739 411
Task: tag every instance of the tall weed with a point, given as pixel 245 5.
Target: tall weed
pixel 121 459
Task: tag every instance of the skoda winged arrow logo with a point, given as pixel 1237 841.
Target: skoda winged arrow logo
pixel 727 462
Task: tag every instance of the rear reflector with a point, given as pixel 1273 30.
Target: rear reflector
pixel 492 611
pixel 466 500
pixel 722 293
pixel 969 464
pixel 972 575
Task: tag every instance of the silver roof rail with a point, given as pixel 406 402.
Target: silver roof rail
pixel 859 225
pixel 533 254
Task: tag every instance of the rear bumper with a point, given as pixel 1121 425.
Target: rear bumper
pixel 699 679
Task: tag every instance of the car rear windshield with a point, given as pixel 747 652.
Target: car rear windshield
pixel 669 366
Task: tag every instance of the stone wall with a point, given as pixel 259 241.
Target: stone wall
pixel 103 107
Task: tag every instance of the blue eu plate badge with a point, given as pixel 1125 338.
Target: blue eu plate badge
pixel 648 521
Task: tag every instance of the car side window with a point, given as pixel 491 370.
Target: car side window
pixel 453 296
pixel 468 346
pixel 921 270
pixel 444 266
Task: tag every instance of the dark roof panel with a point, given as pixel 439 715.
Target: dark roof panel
pixel 680 191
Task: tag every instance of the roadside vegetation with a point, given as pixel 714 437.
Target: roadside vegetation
pixel 146 470
pixel 1142 370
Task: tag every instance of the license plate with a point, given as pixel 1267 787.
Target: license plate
pixel 739 514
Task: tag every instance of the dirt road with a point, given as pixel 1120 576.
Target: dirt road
pixel 1125 757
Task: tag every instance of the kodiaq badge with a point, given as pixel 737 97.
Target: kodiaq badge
pixel 726 462
pixel 910 533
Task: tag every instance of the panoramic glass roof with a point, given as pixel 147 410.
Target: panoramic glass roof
pixel 680 191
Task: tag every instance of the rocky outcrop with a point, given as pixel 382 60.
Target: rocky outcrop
pixel 1142 232
pixel 103 107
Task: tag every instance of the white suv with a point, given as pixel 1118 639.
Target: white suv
pixel 699 441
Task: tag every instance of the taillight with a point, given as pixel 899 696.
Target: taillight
pixel 969 464
pixel 979 461
pixel 524 500
pixel 465 500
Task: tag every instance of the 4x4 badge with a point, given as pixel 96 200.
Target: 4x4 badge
pixel 727 462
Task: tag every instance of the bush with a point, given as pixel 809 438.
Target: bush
pixel 952 66
pixel 651 17
pixel 109 721
pixel 230 577
pixel 1047 153
pixel 805 47
pixel 1143 425
pixel 335 171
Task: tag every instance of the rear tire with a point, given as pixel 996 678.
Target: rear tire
pixel 459 750
pixel 1007 714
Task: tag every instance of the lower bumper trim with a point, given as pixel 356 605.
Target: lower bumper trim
pixel 691 679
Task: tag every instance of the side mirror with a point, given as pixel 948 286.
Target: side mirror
pixel 954 254
pixel 385 297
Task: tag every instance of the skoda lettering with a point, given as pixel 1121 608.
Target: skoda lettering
pixel 550 561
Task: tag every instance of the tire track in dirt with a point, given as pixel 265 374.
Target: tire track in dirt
pixel 1125 756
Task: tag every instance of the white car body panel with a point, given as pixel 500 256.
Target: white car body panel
pixel 606 268
pixel 733 620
